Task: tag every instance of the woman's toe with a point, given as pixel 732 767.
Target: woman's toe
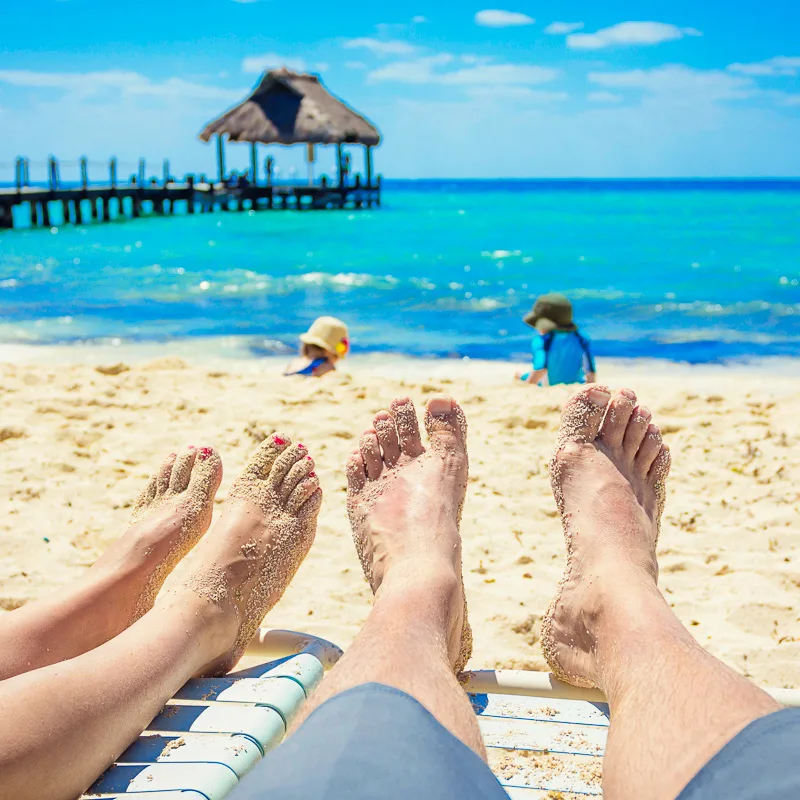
pixel 260 463
pixel 306 497
pixel 182 470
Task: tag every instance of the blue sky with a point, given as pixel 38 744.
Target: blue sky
pixel 459 89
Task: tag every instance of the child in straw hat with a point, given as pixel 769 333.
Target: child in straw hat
pixel 322 345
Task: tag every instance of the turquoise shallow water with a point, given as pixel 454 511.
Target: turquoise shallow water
pixel 688 271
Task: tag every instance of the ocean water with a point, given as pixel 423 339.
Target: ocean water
pixel 689 271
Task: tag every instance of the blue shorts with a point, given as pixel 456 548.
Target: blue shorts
pixel 367 743
pixel 763 761
pixel 377 743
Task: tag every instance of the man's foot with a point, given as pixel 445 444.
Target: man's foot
pixel 405 503
pixel 171 514
pixel 243 565
pixel 608 476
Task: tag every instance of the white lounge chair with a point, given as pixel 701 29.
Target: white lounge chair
pixel 545 739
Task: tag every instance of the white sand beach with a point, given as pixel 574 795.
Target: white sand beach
pixel 81 429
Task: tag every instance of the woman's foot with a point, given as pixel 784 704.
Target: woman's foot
pixel 608 476
pixel 405 503
pixel 243 565
pixel 170 516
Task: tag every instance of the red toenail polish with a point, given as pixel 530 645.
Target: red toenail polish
pixel 279 440
pixel 309 458
pixel 312 474
pixel 205 452
pixel 301 446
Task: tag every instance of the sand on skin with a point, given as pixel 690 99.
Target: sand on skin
pixel 77 446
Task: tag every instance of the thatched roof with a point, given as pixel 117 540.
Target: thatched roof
pixel 290 108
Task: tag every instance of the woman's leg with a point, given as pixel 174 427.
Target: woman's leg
pixel 72 719
pixel 172 513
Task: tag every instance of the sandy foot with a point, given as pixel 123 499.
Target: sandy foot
pixel 170 516
pixel 405 502
pixel 608 476
pixel 244 564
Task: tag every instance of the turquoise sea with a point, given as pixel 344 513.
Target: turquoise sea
pixel 693 271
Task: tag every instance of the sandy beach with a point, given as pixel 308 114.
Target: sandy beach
pixel 81 430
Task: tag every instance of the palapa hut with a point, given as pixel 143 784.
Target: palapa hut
pixel 292 108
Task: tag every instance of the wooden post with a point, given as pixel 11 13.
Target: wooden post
pixel 6 217
pixel 45 214
pixel 254 162
pixel 340 160
pixel 84 172
pixel 142 172
pixel 220 158
pixel 52 173
pixel 369 167
pixel 310 158
pixel 269 165
pixel 19 172
pixel 112 172
pixel 105 208
pixel 190 198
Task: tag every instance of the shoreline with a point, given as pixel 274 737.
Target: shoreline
pixel 234 352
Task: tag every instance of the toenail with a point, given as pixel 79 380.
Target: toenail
pixel 192 447
pixel 312 474
pixel 644 412
pixel 205 452
pixel 599 397
pixel 440 406
pixel 309 458
pixel 628 393
pixel 301 446
pixel 279 440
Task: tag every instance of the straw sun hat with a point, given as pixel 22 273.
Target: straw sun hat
pixel 330 334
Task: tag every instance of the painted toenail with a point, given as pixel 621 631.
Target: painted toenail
pixel 312 474
pixel 279 440
pixel 309 458
pixel 440 406
pixel 301 446
pixel 205 453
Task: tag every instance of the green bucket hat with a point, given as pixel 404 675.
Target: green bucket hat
pixel 551 312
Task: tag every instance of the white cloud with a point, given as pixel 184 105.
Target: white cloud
pixel 562 28
pixel 89 84
pixel 778 66
pixel 495 18
pixel 355 65
pixel 272 61
pixel 426 70
pixel 419 19
pixel 679 82
pixel 604 97
pixel 629 33
pixel 381 47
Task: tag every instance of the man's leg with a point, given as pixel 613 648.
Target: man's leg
pixel 405 505
pixel 172 513
pixel 673 706
pixel 391 720
pixel 63 724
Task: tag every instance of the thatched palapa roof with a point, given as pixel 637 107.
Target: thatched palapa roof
pixel 291 108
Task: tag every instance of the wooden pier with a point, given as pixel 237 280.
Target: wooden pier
pixel 91 202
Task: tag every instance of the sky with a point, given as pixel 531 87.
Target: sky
pixel 458 89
